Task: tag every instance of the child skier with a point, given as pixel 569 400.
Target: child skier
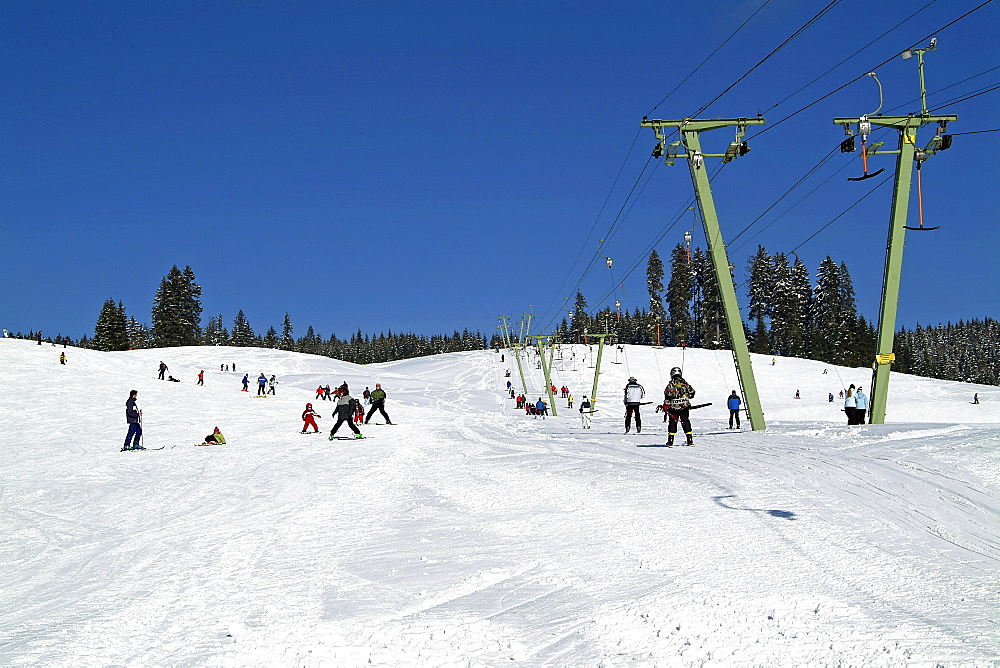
pixel 309 417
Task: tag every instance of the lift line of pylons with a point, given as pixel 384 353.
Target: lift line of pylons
pixel 689 147
pixel 907 154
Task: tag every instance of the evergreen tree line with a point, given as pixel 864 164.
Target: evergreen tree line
pixel 965 351
pixel 176 321
pixel 789 315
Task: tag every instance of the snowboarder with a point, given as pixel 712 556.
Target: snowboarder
pixel 270 385
pixel 734 409
pixel 215 437
pixel 309 418
pixel 246 382
pixel 62 358
pixel 378 404
pixel 345 411
pixel 201 377
pixel 677 397
pixel 585 412
pixel 634 392
pixel 262 385
pixel 860 406
pixel 850 404
pixel 163 369
pixel 133 416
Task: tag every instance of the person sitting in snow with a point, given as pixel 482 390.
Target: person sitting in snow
pixel 215 437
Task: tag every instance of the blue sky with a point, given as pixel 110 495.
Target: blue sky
pixel 426 166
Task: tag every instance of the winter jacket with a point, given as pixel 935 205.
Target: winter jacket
pixel 262 380
pixel 345 406
pixel 634 392
pixel 734 402
pixel 850 401
pixel 677 393
pixel 131 412
pixel 377 395
pixel 585 406
pixel 860 400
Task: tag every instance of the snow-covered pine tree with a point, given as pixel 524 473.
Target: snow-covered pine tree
pixel 270 339
pixel 111 333
pixel 679 293
pixel 827 339
pixel 654 284
pixel 710 326
pixel 138 334
pixel 286 342
pixel 242 335
pixel 177 310
pixel 580 324
pixel 215 333
pixel 760 268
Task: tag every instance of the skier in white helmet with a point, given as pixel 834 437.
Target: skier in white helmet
pixel 677 397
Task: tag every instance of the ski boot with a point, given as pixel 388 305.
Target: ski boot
pixel 690 439
pixel 358 436
pixel 670 440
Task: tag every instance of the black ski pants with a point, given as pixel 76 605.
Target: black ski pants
pixel 380 407
pixel 734 414
pixel 341 419
pixel 675 415
pixel 630 410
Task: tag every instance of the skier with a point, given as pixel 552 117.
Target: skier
pixel 571 401
pixel 975 398
pixel 367 394
pixel 319 393
pixel 215 437
pixel 541 408
pixel 508 384
pixel 309 417
pixel 861 406
pixel 270 385
pixel 62 358
pixel 378 404
pixel 831 397
pixel 850 404
pixel 163 368
pixel 246 382
pixel 133 416
pixel 262 385
pixel 734 409
pixel 585 412
pixel 326 393
pixel 201 377
pixel 677 397
pixel 345 411
pixel 634 392
pixel 359 412
pixel 797 394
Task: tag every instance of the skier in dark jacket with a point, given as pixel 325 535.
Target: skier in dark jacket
pixel 345 412
pixel 734 409
pixel 676 400
pixel 133 416
pixel 261 385
pixel 163 368
pixel 634 392
pixel 378 404
pixel 246 382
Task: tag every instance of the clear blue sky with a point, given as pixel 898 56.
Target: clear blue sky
pixel 427 166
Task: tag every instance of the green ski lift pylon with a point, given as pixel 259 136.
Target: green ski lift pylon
pixel 907 153
pixel 690 131
pixel 514 347
pixel 540 340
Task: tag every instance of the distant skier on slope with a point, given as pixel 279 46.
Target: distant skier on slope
pixel 163 369
pixel 585 412
pixel 734 409
pixel 860 406
pixel 677 397
pixel 309 418
pixel 345 412
pixel 261 385
pixel 246 382
pixel 634 392
pixel 270 385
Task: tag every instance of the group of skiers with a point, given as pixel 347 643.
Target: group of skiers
pixel 855 405
pixel 348 410
pixel 676 406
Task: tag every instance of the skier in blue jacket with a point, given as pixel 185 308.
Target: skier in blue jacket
pixel 734 409
pixel 860 407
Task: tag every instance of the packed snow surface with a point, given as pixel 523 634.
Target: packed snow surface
pixel 472 534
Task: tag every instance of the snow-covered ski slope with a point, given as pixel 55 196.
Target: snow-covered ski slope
pixel 470 534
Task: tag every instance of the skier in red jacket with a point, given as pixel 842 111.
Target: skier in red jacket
pixel 309 418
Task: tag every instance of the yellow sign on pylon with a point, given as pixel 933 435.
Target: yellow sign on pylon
pixel 887 358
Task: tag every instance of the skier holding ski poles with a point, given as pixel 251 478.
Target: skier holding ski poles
pixel 309 418
pixel 133 416
pixel 677 397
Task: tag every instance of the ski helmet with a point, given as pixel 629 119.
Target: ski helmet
pixel 309 405
pixel 675 372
